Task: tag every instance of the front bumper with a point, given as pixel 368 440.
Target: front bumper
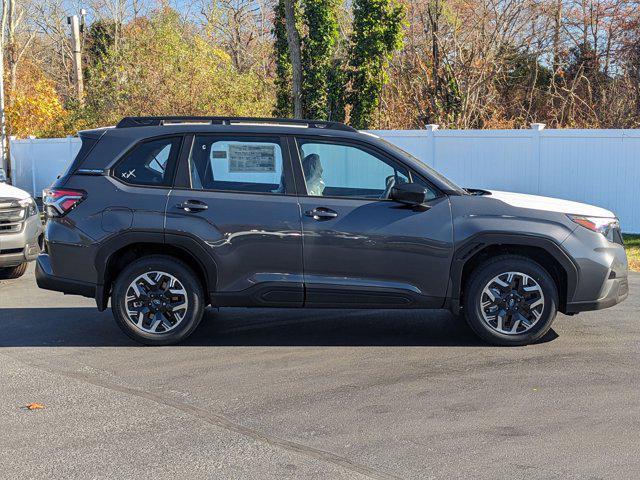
pixel 603 271
pixel 617 291
pixel 22 246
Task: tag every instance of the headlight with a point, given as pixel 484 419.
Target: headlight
pixel 30 205
pixel 603 225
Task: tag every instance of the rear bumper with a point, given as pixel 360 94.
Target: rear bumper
pixel 46 280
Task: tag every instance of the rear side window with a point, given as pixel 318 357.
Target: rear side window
pixel 237 164
pixel 150 163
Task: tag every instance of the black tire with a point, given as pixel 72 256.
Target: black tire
pixel 9 273
pixel 188 279
pixel 483 274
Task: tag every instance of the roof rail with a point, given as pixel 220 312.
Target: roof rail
pixel 128 122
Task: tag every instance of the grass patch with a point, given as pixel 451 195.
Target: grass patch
pixel 632 245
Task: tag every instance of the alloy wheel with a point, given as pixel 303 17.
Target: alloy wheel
pixel 512 303
pixel 156 302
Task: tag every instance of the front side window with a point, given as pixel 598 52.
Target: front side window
pixel 333 170
pixel 150 163
pixel 237 164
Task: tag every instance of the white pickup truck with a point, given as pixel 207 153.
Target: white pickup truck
pixel 20 231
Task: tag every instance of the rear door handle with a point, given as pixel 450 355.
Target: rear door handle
pixel 193 206
pixel 321 213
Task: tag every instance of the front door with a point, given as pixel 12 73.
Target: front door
pixel 239 204
pixel 360 248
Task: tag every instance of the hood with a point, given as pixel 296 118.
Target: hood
pixel 549 204
pixel 9 191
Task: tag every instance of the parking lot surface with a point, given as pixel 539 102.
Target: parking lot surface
pixel 314 394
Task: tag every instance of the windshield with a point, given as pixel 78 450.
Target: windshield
pixel 432 172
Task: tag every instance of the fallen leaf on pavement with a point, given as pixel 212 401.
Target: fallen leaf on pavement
pixel 34 406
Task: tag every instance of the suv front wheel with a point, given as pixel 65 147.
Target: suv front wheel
pixel 510 300
pixel 9 273
pixel 157 300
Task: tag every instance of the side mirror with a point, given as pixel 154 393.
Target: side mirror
pixel 409 193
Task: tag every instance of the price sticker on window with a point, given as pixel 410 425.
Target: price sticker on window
pixel 255 158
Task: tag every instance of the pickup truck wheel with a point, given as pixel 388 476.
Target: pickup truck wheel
pixel 157 300
pixel 510 300
pixel 9 273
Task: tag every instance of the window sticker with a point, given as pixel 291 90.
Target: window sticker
pixel 247 157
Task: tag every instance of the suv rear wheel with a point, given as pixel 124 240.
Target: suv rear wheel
pixel 157 300
pixel 510 300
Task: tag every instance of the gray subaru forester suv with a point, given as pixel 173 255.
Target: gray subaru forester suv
pixel 165 216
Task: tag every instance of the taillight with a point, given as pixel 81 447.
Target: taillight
pixel 58 202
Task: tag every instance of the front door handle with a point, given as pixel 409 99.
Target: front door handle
pixel 193 206
pixel 321 213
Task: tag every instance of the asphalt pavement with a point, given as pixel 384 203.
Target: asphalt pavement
pixel 333 394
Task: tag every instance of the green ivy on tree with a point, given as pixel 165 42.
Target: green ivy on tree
pixel 284 101
pixel 377 33
pixel 318 46
pixel 337 80
pixel 323 75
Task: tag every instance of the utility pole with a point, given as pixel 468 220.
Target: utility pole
pixel 74 21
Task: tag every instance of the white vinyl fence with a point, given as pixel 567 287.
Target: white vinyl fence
pixel 600 167
pixel 35 163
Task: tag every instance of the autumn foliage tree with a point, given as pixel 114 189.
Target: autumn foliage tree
pixel 36 107
pixel 163 65
pixel 373 63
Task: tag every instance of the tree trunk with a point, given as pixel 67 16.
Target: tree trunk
pixel 433 11
pixel 293 39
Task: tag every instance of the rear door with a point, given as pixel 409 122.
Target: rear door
pixel 235 197
pixel 360 248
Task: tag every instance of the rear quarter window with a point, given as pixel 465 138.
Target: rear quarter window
pixel 151 163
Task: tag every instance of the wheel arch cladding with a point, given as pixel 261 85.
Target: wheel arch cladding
pixel 542 250
pixel 117 257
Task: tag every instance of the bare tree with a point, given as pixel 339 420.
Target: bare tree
pixel 20 35
pixel 242 28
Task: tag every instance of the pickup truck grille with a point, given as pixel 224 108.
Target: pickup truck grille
pixel 12 216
